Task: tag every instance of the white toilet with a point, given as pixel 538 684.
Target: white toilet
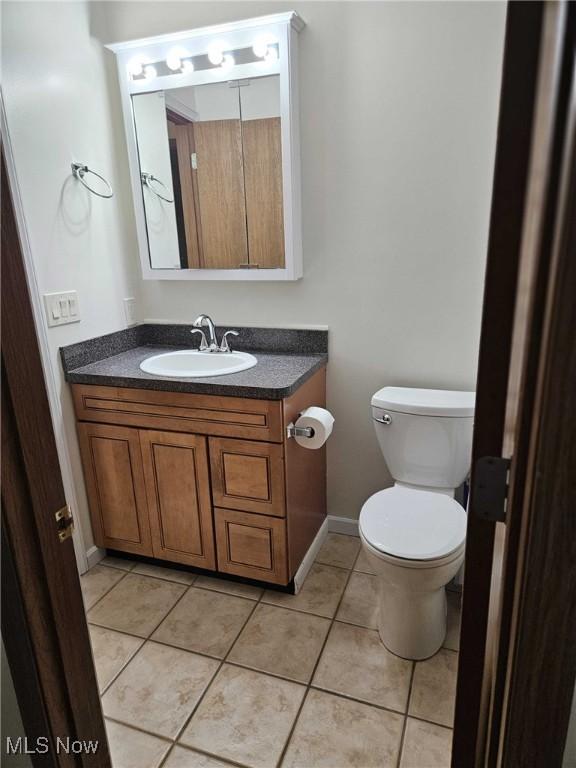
pixel 414 533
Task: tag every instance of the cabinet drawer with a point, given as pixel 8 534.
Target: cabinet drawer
pixel 251 545
pixel 248 476
pixel 180 412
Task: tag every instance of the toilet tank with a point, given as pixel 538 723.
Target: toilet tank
pixel 425 434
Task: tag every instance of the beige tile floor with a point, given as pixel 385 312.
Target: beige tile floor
pixel 199 672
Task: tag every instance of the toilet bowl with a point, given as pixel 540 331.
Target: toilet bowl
pixel 414 533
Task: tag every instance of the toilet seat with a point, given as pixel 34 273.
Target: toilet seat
pixel 420 528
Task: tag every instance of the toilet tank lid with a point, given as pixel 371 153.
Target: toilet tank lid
pixel 426 402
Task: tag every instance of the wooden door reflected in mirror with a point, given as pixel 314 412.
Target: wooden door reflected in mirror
pixel 211 170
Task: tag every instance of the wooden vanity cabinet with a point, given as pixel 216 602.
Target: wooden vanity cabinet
pixel 206 481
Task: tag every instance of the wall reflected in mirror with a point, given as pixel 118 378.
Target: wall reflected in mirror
pixel 211 171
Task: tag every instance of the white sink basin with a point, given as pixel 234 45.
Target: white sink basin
pixel 191 363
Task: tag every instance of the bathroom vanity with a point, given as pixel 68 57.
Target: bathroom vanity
pixel 202 472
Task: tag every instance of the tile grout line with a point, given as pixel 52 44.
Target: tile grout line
pixel 405 721
pixel 348 697
pixel 122 668
pixel 95 603
pixel 309 684
pixel 429 722
pixel 167 739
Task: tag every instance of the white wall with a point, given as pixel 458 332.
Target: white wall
pixel 398 120
pixel 261 99
pixel 154 156
pixel 58 106
pixel 215 101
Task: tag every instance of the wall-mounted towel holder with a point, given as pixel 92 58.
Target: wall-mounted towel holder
pixel 79 170
pixel 148 179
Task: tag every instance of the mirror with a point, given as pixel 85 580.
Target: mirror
pixel 210 160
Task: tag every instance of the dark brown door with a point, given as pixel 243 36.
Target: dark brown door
pixel 177 486
pixel 43 625
pixel 183 136
pixel 220 178
pixel 262 150
pixel 517 660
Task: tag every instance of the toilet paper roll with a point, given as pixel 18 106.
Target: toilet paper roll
pixel 321 422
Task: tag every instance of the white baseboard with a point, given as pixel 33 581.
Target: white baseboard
pixel 94 555
pixel 310 556
pixel 347 525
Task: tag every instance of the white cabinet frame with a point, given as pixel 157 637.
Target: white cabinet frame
pixel 284 27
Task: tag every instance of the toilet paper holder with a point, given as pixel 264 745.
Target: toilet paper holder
pixel 293 431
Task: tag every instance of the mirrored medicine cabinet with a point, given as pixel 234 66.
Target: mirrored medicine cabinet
pixel 211 119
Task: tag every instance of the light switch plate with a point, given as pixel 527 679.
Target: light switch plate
pixel 130 311
pixel 62 308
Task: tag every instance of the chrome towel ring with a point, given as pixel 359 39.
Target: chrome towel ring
pixel 79 170
pixel 148 179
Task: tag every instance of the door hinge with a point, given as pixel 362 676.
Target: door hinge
pixel 64 523
pixel 490 488
pixel 194 161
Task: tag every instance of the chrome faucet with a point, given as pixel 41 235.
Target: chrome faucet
pixel 204 321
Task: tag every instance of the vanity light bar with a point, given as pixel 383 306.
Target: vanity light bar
pixel 178 60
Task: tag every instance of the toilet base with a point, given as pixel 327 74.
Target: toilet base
pixel 412 625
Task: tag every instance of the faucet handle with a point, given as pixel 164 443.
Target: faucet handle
pixel 203 343
pixel 224 346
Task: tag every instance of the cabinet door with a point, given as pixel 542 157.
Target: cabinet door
pixel 251 545
pixel 178 491
pixel 247 475
pixel 115 485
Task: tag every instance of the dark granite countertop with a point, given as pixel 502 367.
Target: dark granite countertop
pixel 286 359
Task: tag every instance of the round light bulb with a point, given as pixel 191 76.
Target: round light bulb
pixel 260 47
pixel 228 61
pixel 216 54
pixel 135 67
pixel 271 55
pixel 187 66
pixel 150 72
pixel 173 61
